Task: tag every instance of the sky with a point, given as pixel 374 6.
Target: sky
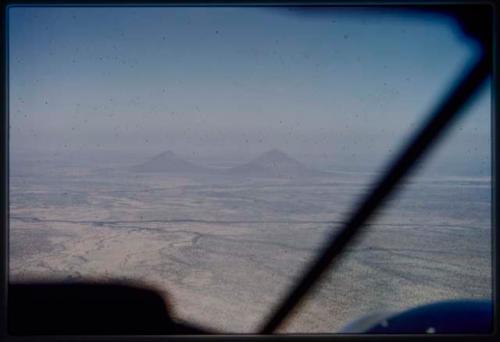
pixel 340 89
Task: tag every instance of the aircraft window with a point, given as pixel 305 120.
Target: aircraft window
pixel 206 152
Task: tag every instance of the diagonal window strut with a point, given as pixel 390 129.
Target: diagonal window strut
pixel 442 117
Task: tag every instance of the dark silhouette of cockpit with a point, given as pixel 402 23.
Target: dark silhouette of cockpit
pixel 90 308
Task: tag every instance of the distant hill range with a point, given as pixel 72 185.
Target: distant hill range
pixel 273 163
pixel 169 162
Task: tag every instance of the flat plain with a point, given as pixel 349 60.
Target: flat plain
pixel 224 249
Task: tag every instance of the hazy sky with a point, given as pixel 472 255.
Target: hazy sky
pixel 233 81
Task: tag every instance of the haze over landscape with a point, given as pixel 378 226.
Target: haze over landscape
pixel 209 152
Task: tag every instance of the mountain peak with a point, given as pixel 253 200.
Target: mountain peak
pixel 274 155
pixel 273 163
pixel 167 154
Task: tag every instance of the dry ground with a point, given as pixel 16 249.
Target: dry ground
pixel 224 250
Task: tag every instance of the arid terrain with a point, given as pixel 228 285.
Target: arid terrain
pixel 224 246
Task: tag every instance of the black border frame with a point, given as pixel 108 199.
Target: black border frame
pixel 4 160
